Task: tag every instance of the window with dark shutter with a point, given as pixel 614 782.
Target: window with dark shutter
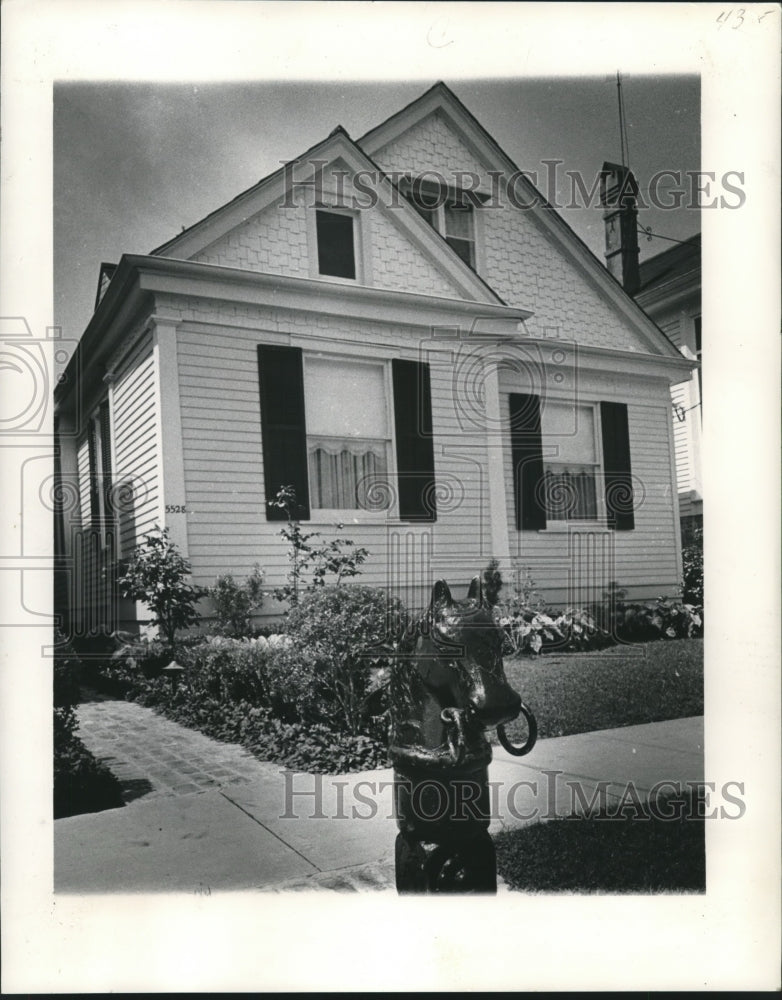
pixel 99 451
pixel 94 453
pixel 527 458
pixel 616 466
pixel 336 250
pixel 414 444
pixel 105 461
pixel 283 427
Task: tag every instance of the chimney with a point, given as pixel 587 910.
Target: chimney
pixel 618 190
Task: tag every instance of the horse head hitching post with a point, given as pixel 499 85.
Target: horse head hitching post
pixel 448 686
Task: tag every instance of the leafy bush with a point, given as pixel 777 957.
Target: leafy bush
pixel 607 612
pixel 580 631
pixel 348 632
pixel 692 562
pixel 239 670
pixel 661 619
pixel 530 627
pixel 140 654
pixel 235 603
pixel 311 562
pixel 525 630
pixel 67 672
pixel 491 579
pixel 81 783
pixel 310 746
pixel 156 574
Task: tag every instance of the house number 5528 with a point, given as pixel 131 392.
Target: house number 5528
pixel 175 508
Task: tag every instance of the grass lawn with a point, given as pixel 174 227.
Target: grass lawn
pixel 623 686
pixel 617 855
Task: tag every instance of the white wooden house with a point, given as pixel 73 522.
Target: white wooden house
pixel 670 292
pixel 402 329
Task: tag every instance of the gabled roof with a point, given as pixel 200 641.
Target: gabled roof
pixel 675 262
pixel 337 145
pixel 441 99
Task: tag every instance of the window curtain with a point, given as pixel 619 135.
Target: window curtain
pixel 343 472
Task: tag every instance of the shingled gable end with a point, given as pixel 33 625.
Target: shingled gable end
pixel 438 376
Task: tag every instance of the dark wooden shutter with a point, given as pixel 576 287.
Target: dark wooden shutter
pixel 414 444
pixel 527 456
pixel 105 461
pixel 92 444
pixel 282 427
pixel 616 466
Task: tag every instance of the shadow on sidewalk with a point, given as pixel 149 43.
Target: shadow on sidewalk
pixel 135 788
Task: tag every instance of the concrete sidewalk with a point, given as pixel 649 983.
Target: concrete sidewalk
pixel 205 816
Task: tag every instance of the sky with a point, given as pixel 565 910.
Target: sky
pixel 134 163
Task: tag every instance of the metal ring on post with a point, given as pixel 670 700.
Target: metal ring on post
pixel 531 738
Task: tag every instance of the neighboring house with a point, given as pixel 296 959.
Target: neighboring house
pixel 401 328
pixel 668 288
pixel 670 292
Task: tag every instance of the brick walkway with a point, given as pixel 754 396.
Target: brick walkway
pixel 152 756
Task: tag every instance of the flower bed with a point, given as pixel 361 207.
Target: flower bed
pixel 306 699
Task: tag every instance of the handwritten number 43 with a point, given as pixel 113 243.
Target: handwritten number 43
pixel 737 17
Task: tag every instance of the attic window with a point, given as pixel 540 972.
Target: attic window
pixel 459 229
pixel 448 210
pixel 336 244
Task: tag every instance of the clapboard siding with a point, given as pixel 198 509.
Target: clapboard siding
pixel 576 566
pixel 681 396
pixel 136 458
pixel 678 323
pixel 222 451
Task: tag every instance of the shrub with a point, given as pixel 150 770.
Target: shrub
pixel 311 562
pixel 525 630
pixel 492 583
pixel 67 672
pixel 228 669
pixel 157 575
pixel 235 603
pixel 261 672
pixel 530 626
pixel 81 783
pixel 139 655
pixel 580 631
pixel 310 746
pixel 607 613
pixel 347 632
pixel 692 562
pixel 662 619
